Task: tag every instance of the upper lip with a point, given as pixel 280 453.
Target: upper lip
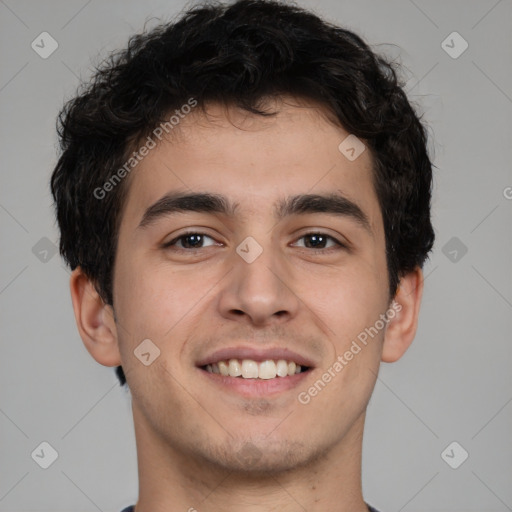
pixel 255 354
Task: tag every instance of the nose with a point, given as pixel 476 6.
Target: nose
pixel 259 292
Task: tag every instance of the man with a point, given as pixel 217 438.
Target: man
pixel 244 200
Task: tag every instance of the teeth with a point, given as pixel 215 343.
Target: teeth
pixel 282 368
pixel 249 369
pixel 267 370
pixel 234 368
pixel 223 368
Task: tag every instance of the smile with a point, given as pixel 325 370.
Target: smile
pixel 250 369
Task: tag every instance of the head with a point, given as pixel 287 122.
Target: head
pixel 250 102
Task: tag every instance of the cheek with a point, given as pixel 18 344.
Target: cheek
pixel 155 301
pixel 352 305
pixel 137 300
pixel 350 301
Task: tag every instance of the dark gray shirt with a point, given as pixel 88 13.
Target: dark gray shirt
pixel 130 509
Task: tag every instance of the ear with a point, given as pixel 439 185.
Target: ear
pixel 95 320
pixel 401 329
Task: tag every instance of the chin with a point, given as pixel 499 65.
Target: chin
pixel 261 458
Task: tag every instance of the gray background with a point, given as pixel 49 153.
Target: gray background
pixel 454 384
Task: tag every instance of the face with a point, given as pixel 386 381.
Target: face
pixel 256 277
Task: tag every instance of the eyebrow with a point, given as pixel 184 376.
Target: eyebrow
pixel 334 204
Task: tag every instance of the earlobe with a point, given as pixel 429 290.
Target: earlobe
pixel 94 319
pixel 401 329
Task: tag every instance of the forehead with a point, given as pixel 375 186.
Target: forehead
pixel 253 161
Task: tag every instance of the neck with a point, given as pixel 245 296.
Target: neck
pixel 172 480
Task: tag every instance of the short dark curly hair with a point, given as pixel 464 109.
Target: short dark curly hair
pixel 239 55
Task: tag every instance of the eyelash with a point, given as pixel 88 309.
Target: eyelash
pixel 310 233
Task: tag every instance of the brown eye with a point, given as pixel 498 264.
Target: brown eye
pixel 190 240
pixel 319 241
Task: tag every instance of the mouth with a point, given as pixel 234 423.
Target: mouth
pixel 255 373
pixel 251 369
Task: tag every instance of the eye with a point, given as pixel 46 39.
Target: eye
pixel 191 240
pixel 196 240
pixel 319 241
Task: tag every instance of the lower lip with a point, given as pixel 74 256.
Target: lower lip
pixel 256 387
